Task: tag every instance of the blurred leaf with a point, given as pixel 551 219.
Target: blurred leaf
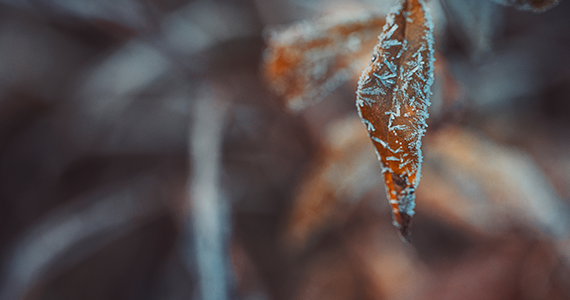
pixel 532 5
pixel 344 174
pixel 202 24
pixel 118 106
pixel 307 61
pixel 392 100
pixel 329 276
pixel 93 219
pixel 446 100
pixel 390 266
pixel 475 23
pixel 489 187
pixel 133 14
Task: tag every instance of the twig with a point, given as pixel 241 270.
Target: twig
pixel 208 208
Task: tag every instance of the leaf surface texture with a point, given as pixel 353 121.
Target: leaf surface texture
pixel 392 101
pixel 308 60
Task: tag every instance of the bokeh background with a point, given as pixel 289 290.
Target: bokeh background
pixel 142 156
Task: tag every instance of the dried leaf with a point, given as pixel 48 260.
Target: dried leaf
pixel 392 100
pixel 532 5
pixel 307 61
pixel 490 187
pixel 341 177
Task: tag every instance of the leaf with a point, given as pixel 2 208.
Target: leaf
pixel 130 13
pixel 532 5
pixel 341 177
pixel 307 61
pixel 489 186
pixel 392 100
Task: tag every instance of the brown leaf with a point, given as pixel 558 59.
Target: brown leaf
pixel 532 5
pixel 392 100
pixel 307 61
pixel 489 187
pixel 339 179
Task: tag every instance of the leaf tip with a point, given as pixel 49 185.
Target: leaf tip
pixel 404 227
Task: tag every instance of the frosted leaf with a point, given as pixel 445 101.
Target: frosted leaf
pixel 307 61
pixel 393 96
pixel 532 5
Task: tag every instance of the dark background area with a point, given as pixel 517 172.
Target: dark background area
pixel 115 117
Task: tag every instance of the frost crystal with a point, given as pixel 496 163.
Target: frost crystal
pixel 392 100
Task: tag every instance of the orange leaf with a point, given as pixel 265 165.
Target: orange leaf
pixel 342 176
pixel 309 60
pixel 392 100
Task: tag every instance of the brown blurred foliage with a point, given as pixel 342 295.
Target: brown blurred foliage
pixel 101 105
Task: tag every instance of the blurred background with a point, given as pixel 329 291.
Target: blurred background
pixel 143 156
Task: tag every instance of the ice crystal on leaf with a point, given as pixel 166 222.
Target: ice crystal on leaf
pixel 392 100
